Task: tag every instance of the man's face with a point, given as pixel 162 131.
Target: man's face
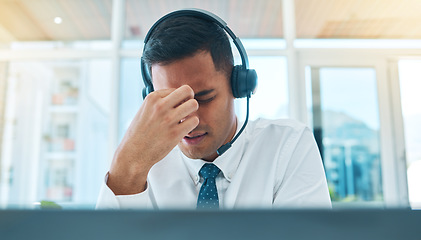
pixel 217 121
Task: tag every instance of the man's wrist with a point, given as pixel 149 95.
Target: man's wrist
pixel 125 184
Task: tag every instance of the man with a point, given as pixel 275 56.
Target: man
pixel 168 157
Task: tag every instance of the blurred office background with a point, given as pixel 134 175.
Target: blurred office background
pixel 350 69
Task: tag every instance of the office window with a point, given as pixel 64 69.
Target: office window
pixel 130 95
pixel 345 119
pixel 271 98
pixel 55 131
pixel 410 84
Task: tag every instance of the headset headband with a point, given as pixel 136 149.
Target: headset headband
pixel 207 16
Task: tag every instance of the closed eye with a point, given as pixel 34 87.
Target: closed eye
pixel 202 101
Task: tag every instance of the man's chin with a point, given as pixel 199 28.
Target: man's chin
pixel 196 153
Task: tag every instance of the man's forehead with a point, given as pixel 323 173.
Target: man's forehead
pixel 198 86
pixel 201 85
pixel 197 71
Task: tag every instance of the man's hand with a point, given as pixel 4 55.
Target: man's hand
pixel 161 122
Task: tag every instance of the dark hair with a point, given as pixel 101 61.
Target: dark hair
pixel 180 37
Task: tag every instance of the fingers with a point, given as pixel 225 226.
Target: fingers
pixel 179 95
pixel 174 106
pixel 189 124
pixel 159 93
pixel 173 95
pixel 185 109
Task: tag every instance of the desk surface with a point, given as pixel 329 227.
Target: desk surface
pixel 270 224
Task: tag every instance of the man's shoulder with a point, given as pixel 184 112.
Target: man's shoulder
pixel 276 137
pixel 276 126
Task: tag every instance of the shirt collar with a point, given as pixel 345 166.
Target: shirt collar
pixel 228 162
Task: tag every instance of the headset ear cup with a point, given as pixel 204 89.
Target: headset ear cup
pixel 144 93
pixel 234 78
pixel 146 79
pixel 146 90
pixel 251 81
pixel 243 81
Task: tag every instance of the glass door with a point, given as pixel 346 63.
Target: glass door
pixel 348 104
pixel 345 119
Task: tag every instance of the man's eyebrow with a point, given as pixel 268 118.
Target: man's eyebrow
pixel 203 93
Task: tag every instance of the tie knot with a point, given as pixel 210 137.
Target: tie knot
pixel 209 171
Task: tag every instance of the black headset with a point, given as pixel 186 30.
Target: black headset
pixel 243 79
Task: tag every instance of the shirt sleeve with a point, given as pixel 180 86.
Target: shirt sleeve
pixel 304 183
pixel 108 200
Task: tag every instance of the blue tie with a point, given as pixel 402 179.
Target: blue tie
pixel 208 195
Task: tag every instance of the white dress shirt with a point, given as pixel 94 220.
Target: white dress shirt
pixel 273 164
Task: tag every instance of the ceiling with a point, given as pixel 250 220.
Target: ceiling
pixel 390 19
pixel 247 18
pixel 33 20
